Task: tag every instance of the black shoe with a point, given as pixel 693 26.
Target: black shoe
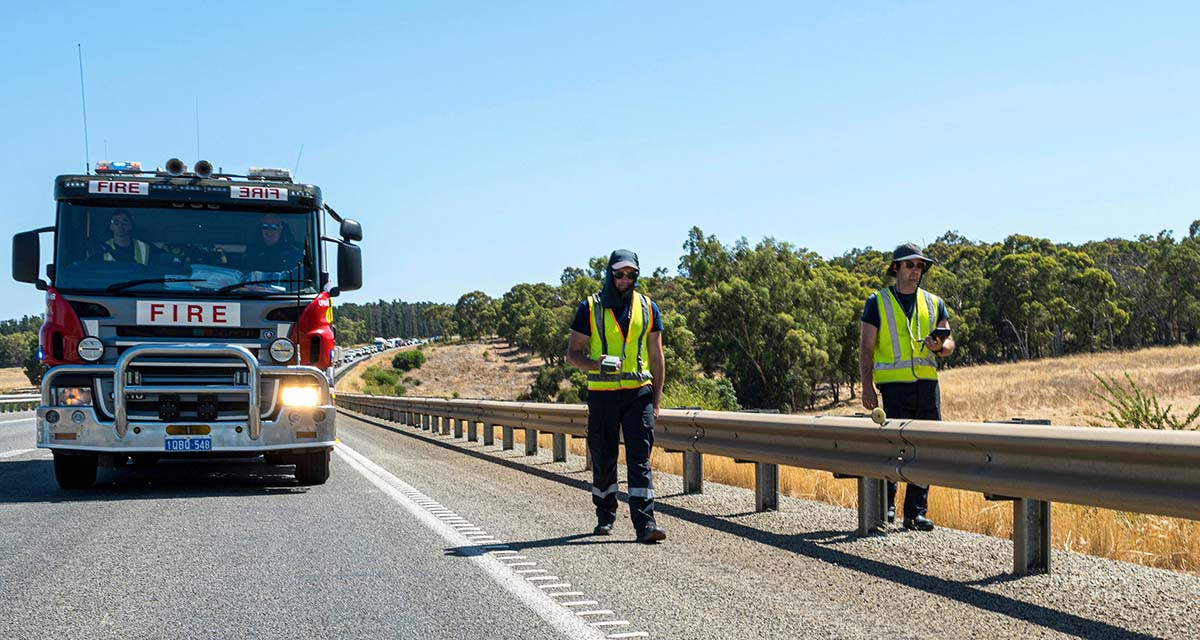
pixel 920 523
pixel 602 529
pixel 651 534
pixel 891 514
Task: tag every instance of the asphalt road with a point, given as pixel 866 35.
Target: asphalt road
pixel 422 536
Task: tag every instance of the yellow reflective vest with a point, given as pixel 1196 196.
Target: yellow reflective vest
pixel 141 252
pixel 633 349
pixel 900 354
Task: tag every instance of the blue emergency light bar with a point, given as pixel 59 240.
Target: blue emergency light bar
pixel 105 166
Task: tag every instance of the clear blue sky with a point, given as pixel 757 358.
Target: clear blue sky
pixel 492 143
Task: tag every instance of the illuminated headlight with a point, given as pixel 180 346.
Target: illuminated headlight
pixel 73 396
pixel 282 350
pixel 301 396
pixel 90 349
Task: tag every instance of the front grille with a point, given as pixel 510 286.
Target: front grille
pixel 152 372
pixel 187 332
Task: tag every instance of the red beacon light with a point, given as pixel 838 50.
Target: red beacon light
pixel 106 166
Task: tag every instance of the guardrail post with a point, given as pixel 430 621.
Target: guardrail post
pixel 489 434
pixel 560 447
pixel 472 431
pixel 766 487
pixel 508 438
pixel 693 472
pixel 426 422
pixel 872 504
pixel 445 425
pixel 1031 536
pixel 531 442
pixel 458 427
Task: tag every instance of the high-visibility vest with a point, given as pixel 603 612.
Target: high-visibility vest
pixel 141 252
pixel 632 346
pixel 900 354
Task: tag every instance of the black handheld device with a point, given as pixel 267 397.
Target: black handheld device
pixel 940 332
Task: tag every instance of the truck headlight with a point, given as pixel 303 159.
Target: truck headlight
pixel 73 396
pixel 90 349
pixel 282 350
pixel 301 396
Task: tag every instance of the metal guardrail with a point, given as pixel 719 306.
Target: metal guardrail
pixel 19 402
pixel 1154 472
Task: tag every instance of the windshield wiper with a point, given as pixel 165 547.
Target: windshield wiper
pixel 121 286
pixel 230 287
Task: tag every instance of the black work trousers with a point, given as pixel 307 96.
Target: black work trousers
pixel 920 400
pixel 610 413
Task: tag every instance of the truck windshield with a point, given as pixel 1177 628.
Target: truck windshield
pixel 116 248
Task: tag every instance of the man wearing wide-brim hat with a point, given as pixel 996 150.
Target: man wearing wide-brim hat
pixel 905 329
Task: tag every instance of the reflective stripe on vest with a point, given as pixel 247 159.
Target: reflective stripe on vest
pixel 634 347
pixel 900 354
pixel 141 252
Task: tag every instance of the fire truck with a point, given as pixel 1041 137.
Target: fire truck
pixel 188 315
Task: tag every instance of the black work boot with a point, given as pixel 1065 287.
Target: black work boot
pixel 920 523
pixel 651 534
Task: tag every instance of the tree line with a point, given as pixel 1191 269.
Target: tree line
pixel 780 324
pixel 360 323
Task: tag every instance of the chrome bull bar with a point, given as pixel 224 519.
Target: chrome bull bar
pixel 253 419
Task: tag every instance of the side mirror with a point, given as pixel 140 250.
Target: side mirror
pixel 26 259
pixel 351 230
pixel 349 267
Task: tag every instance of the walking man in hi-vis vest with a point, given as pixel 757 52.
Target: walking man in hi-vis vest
pixel 904 329
pixel 616 339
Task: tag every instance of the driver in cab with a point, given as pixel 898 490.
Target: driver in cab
pixel 276 252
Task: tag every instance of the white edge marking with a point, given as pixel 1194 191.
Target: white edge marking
pixel 29 419
pixel 556 615
pixel 15 452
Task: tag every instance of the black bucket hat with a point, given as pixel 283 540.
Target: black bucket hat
pixel 908 251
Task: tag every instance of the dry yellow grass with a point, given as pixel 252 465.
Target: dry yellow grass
pixel 1059 389
pixel 13 380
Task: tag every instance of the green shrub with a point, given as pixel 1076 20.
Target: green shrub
pixel 378 381
pixel 706 393
pixel 408 360
pixel 1134 408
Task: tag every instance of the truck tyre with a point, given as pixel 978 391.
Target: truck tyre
pixel 312 467
pixel 75 471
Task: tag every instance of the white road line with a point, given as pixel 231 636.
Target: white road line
pixel 554 586
pixel 566 594
pixel 634 634
pixel 594 612
pixel 15 452
pixel 610 623
pixel 540 578
pixel 580 603
pixel 521 564
pixel 556 615
pixel 29 419
pixel 527 571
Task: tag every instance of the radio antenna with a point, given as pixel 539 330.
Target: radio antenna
pixel 296 169
pixel 87 152
pixel 197 128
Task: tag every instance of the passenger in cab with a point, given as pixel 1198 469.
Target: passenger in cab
pixel 123 247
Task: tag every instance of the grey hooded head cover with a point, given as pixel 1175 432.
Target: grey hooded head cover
pixel 610 297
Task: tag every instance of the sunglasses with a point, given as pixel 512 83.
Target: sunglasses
pixel 913 264
pixel 270 226
pixel 625 275
pixel 120 223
